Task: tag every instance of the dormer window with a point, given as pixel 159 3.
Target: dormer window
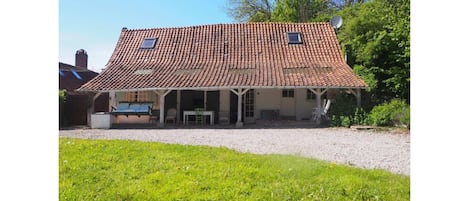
pixel 294 38
pixel 148 43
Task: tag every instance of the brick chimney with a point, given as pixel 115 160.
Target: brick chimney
pixel 81 58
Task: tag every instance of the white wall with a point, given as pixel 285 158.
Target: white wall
pixel 266 99
pixel 225 100
pixel 270 99
pixel 303 107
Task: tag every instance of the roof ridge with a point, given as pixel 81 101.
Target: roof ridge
pixel 223 24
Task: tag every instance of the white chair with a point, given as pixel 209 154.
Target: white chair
pixel 171 115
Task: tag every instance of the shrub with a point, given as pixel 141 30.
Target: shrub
pixel 396 112
pixel 62 100
pixel 345 113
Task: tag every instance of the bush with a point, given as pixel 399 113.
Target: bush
pixel 396 112
pixel 62 99
pixel 345 113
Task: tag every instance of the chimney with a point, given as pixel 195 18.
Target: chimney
pixel 81 58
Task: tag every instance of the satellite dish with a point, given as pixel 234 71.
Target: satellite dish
pixel 336 22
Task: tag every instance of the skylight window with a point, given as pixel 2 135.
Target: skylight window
pixel 148 43
pixel 76 74
pixel 294 38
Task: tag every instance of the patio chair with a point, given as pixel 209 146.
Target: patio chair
pixel 199 117
pixel 155 116
pixel 171 115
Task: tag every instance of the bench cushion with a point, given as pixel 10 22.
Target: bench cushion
pixel 133 109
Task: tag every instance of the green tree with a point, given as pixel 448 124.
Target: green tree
pixel 250 10
pixel 376 36
pixel 298 10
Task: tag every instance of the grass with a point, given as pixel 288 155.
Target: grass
pixel 133 170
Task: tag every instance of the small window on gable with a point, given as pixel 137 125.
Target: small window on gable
pixel 288 93
pixel 310 95
pixel 294 38
pixel 148 43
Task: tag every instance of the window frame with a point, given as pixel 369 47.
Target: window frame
pixel 310 96
pixel 152 46
pixel 288 93
pixel 300 41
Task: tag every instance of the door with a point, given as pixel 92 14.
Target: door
pixel 248 106
pixel 287 104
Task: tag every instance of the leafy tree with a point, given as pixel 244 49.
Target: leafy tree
pixel 250 10
pixel 298 10
pixel 376 35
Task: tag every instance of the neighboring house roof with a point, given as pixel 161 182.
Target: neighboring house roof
pixel 72 77
pixel 248 55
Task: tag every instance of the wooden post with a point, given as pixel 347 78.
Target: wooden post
pixel 318 92
pixel 358 96
pixel 178 105
pixel 161 95
pixel 240 93
pixel 112 100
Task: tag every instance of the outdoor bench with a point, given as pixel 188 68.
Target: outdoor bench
pixel 132 108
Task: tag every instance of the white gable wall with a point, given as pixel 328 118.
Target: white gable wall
pixel 303 107
pixel 270 99
pixel 266 99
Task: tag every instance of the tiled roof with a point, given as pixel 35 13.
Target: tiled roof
pixel 247 55
pixel 69 81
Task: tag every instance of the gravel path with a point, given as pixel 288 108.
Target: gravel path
pixel 365 149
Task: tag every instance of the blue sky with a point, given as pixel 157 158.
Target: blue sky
pixel 95 25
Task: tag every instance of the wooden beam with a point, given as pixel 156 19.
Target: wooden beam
pixel 239 92
pixel 205 100
pixel 358 96
pixel 161 95
pixel 178 105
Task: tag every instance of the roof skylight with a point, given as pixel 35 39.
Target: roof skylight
pixel 76 74
pixel 148 43
pixel 294 38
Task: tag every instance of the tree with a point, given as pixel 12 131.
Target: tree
pixel 250 10
pixel 298 10
pixel 376 36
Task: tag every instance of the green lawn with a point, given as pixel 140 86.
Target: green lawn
pixel 133 170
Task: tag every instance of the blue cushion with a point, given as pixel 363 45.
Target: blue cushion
pixel 134 106
pixel 145 106
pixel 122 106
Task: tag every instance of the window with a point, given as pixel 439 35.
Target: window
pixel 76 74
pixel 294 38
pixel 148 43
pixel 249 103
pixel 136 96
pixel 288 93
pixel 310 95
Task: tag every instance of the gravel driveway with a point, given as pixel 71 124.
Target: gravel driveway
pixel 365 149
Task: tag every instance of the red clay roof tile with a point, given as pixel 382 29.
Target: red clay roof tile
pixel 227 56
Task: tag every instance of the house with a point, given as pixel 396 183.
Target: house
pixel 71 78
pixel 237 72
